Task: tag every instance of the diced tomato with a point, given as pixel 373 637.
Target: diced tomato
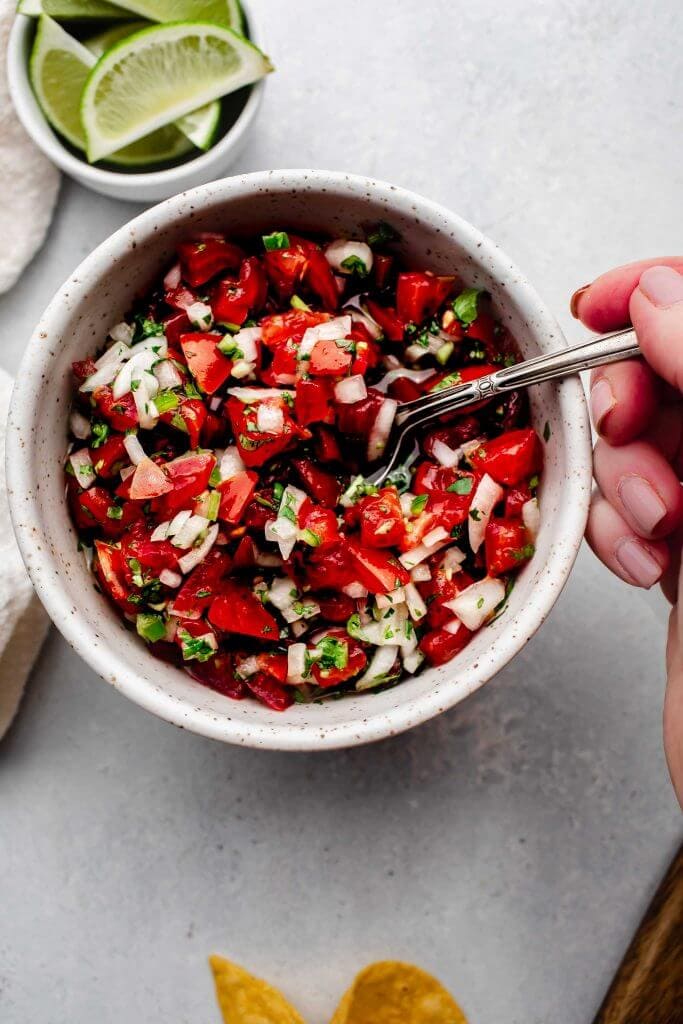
pixel 403 389
pixel 245 554
pixel 419 295
pixel 189 475
pixel 148 481
pixel 270 692
pixel 313 401
pixel 393 326
pixel 356 661
pixel 262 510
pixel 273 665
pixel 289 326
pixel 355 419
pixel 202 260
pixel 330 568
pixel 209 367
pixel 96 507
pixel 431 478
pixel 108 565
pixel 382 267
pixel 189 417
pixel 379 571
pixel 328 359
pixel 256 447
pixel 109 457
pixel 232 301
pixel 217 673
pixel 237 610
pixel 368 353
pixel 439 646
pixel 440 589
pixel 466 429
pixel 285 269
pixel 120 413
pixel 510 458
pixel 82 369
pixel 507 545
pixel 322 486
pixel 180 298
pixel 515 498
pixel 153 555
pixel 213 432
pixel 320 279
pixel 321 522
pixel 326 445
pixel 175 326
pixel 381 519
pixel 445 510
pixel 201 586
pixel 484 327
pixel 236 493
pixel 335 607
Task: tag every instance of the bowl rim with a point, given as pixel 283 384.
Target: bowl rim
pixel 309 735
pixel 35 123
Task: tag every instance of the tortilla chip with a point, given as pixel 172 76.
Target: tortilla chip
pixel 244 999
pixel 391 992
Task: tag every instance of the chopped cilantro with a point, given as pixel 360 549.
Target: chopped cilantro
pixel 546 431
pixel 150 627
pixel 521 554
pixel 480 602
pixel 475 514
pixel 178 422
pixel 276 240
pixel 458 531
pixel 534 482
pixel 248 443
pixel 165 401
pixel 146 328
pixel 418 504
pixel 334 653
pixel 462 486
pixel 311 537
pixel 134 385
pixel 448 382
pixel 204 593
pixel 382 234
pixel 355 265
pixel 465 305
pixel 114 512
pixel 100 433
pixel 286 509
pixel 215 477
pixel 195 648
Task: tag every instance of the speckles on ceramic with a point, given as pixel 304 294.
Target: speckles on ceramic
pixel 100 292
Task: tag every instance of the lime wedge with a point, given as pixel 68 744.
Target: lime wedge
pixel 219 12
pixel 82 10
pixel 200 125
pixel 160 74
pixel 58 68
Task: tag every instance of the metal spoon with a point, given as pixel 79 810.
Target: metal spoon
pixel 608 348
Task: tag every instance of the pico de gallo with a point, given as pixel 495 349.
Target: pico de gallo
pixel 219 454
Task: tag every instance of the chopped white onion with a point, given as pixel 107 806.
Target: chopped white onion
pixel 283 533
pixel 81 463
pixel 471 446
pixel 422 551
pixel 484 500
pixel 247 667
pixel 381 429
pixel 420 574
pixel 416 605
pixel 231 463
pixel 531 517
pixel 136 453
pixel 477 603
pixel 197 555
pixel 79 425
pixel 173 277
pixel 132 370
pixel 169 578
pixel 412 661
pixel 215 403
pixel 445 455
pixel 397 596
pixel 114 355
pixel 160 532
pixel 241 369
pixel 270 419
pixel 107 367
pixel 190 532
pixel 452 560
pixel 168 375
pixel 331 330
pixel 122 332
pixel 178 521
pixel 355 590
pixel 435 536
pixel 200 315
pixel 251 395
pixel 157 343
pixel 148 414
pixel 418 376
pixel 351 389
pixel 282 592
pixel 453 626
pixel 379 668
pixel 337 252
pixel 127 471
pixel 296 663
pixel 246 341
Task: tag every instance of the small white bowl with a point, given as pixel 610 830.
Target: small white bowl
pixel 99 293
pixel 136 186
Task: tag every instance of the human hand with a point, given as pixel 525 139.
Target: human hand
pixel 636 521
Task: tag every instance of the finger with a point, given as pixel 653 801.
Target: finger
pixel 673 702
pixel 603 305
pixel 640 484
pixel 634 560
pixel 657 313
pixel 669 580
pixel 623 400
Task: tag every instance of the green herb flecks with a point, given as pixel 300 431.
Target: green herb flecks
pixel 276 240
pixel 465 305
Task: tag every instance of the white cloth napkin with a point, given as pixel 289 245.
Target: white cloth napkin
pixel 23 621
pixel 28 180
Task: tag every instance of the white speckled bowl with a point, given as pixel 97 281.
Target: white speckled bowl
pixel 136 186
pixel 99 293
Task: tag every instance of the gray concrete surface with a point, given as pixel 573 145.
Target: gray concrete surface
pixel 509 846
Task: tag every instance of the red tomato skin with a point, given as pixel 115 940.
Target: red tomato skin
pixel 438 591
pixel 82 369
pixel 375 512
pixel 175 326
pixel 383 267
pixel 379 571
pixel 356 419
pixel 505 544
pixel 109 569
pixel 329 568
pixel 313 402
pixel 202 260
pixel 120 413
pixel 466 429
pixel 439 646
pixel 232 301
pixel 285 269
pixel 419 295
pixel 189 475
pixel 270 692
pixel 356 662
pixel 511 457
pixel 153 556
pixel 329 360
pixel 237 610
pixel 515 498
pixel 393 326
pixel 236 494
pixel 108 459
pixel 180 298
pixel 321 521
pixel 191 601
pixel 279 328
pixel 335 607
pixel 217 674
pixel 209 367
pixel 322 486
pixel 320 279
pixel 254 447
pixel 326 446
pixel 245 554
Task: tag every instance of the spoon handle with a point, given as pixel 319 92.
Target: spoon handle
pixel 608 348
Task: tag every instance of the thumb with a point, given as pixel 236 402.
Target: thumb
pixel 656 309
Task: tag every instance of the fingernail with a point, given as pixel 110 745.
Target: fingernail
pixel 663 286
pixel 637 562
pixel 642 502
pixel 574 301
pixel 602 401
